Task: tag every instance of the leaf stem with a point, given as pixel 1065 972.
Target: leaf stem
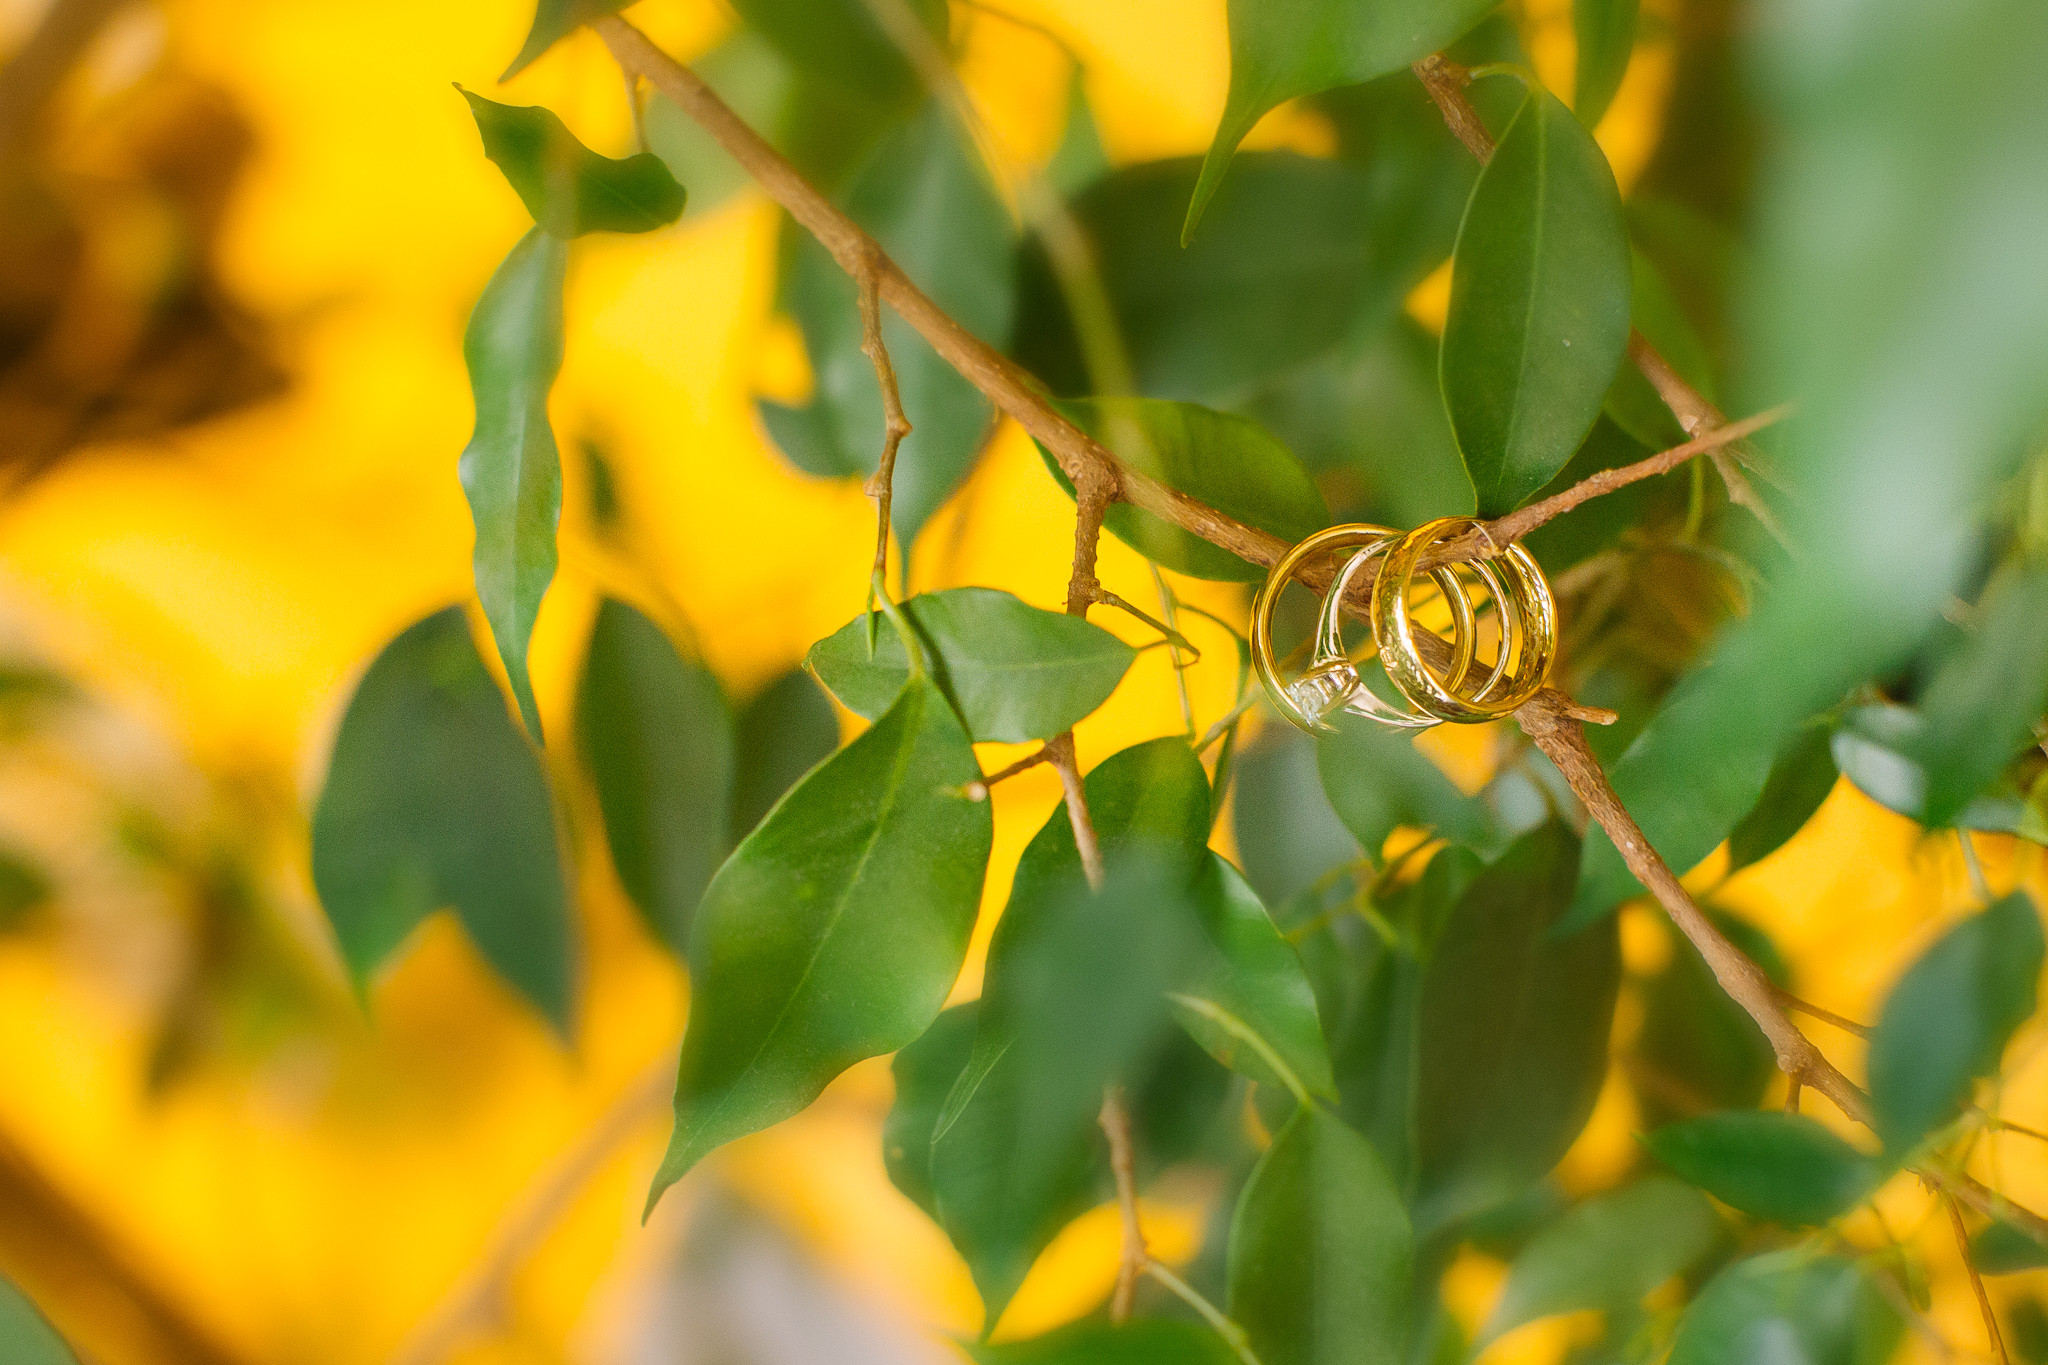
pixel 1955 1218
pixel 1115 1119
pixel 1232 1334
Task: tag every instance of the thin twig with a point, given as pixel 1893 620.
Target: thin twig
pixel 881 484
pixel 1955 1218
pixel 1175 641
pixel 1792 1090
pixel 978 791
pixel 1813 1011
pixel 1230 718
pixel 1446 82
pixel 1232 1334
pixel 1116 1126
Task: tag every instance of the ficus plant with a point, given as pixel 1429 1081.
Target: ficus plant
pixel 1382 1027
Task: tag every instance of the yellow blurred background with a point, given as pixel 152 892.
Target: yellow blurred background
pixel 442 1178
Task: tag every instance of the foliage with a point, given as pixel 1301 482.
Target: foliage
pixel 1385 1057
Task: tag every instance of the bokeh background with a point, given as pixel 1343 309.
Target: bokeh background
pixel 230 478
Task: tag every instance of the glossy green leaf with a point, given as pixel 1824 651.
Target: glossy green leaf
pixel 1697 1048
pixel 1798 782
pixel 783 732
pixel 1606 34
pixel 1782 1168
pixel 1251 1006
pixel 1277 277
pixel 834 931
pixel 1287 834
pixel 433 799
pixel 29 1339
pixel 840 42
pixel 1946 1023
pixel 1981 705
pixel 1370 419
pixel 2004 1248
pixel 1228 462
pixel 1514 1021
pixel 657 736
pixel 1013 671
pixel 569 189
pixel 554 20
pixel 1539 312
pixel 1377 779
pixel 1014 1149
pixel 1076 999
pixel 1320 1250
pixel 511 470
pixel 1141 1341
pixel 1607 1253
pixel 1880 749
pixel 1789 1307
pixel 1369 994
pixel 925 1072
pixel 1282 49
pixel 930 206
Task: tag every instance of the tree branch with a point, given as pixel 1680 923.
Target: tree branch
pixel 1955 1219
pixel 1116 1126
pixel 895 426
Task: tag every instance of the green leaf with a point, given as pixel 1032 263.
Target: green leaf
pixel 2004 1248
pixel 1782 1168
pixel 1013 1155
pixel 1789 1307
pixel 1946 1023
pixel 657 736
pixel 1252 1007
pixel 1013 671
pixel 1079 161
pixel 1370 414
pixel 925 1072
pixel 1981 706
pixel 1278 277
pixel 511 471
pixel 1282 49
pixel 834 931
pixel 30 1339
pixel 839 42
pixel 569 189
pixel 1607 1253
pixel 1601 522
pixel 1513 1031
pixel 1798 782
pixel 1228 462
pixel 1369 994
pixel 1286 832
pixel 929 205
pixel 1075 1001
pixel 1141 1341
pixel 1539 313
pixel 1606 33
pixel 554 20
pixel 787 729
pixel 433 799
pixel 1697 1048
pixel 1879 748
pixel 1320 1251
pixel 1377 779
